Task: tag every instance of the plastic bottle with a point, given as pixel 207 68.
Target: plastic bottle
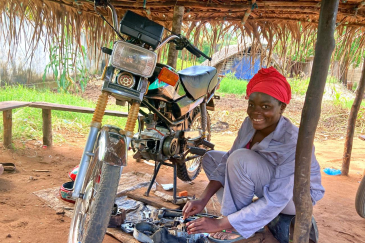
pixel 331 171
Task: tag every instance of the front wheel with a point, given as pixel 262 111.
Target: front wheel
pixel 92 212
pixel 360 199
pixel 191 169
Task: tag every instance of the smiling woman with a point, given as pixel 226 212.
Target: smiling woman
pixel 260 162
pixel 264 112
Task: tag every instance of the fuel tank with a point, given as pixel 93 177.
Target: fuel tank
pixel 176 96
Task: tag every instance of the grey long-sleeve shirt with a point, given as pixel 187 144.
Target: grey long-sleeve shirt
pixel 279 149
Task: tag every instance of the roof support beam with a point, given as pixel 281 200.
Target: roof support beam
pixel 236 7
pixel 176 29
pixel 248 12
pixel 229 11
pixel 309 121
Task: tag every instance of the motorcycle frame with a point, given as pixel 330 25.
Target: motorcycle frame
pixel 95 127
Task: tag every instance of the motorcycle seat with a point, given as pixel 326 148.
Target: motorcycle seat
pixel 199 80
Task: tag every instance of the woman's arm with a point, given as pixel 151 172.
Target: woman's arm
pixel 196 206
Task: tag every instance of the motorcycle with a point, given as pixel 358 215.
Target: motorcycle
pixel 173 106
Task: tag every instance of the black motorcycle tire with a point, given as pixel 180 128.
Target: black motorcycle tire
pixel 183 173
pixel 101 205
pixel 360 199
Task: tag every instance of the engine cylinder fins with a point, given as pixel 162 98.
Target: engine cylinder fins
pixel 170 146
pixel 132 118
pixel 100 107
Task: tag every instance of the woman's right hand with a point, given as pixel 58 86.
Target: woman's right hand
pixel 193 207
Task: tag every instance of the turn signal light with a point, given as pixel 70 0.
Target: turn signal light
pixel 168 76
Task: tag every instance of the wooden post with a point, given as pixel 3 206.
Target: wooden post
pixel 309 121
pixel 47 127
pixel 352 122
pixel 176 28
pixel 8 124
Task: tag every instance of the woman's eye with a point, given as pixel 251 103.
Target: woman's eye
pixel 265 107
pixel 250 105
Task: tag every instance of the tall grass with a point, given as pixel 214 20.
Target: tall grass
pixel 27 122
pixel 298 86
pixel 231 85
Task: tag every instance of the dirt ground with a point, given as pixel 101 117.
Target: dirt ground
pixel 25 218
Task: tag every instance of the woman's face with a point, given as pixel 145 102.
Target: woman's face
pixel 264 112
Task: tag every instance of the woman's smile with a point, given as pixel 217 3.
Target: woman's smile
pixel 264 112
pixel 257 120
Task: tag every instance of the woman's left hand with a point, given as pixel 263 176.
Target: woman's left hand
pixel 207 225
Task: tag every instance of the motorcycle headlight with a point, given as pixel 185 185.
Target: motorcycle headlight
pixel 134 59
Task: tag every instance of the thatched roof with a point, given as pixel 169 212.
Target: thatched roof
pixel 350 13
pixel 223 54
pixel 227 52
pixel 278 22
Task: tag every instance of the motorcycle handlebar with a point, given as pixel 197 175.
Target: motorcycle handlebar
pixel 181 42
pixel 195 51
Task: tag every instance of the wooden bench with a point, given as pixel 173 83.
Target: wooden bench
pixel 7 107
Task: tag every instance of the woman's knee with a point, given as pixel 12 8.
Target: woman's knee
pixel 244 159
pixel 239 158
pixel 211 160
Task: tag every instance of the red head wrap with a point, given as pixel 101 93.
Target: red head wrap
pixel 271 82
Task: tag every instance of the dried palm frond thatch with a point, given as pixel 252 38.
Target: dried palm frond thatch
pixel 286 27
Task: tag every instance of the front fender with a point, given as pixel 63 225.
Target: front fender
pixel 112 146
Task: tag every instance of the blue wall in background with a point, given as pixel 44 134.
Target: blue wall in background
pixel 243 69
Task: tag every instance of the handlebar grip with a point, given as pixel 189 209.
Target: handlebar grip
pixel 191 48
pixel 202 53
pixel 198 53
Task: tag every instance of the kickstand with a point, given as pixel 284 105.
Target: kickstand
pixel 155 172
pixel 175 183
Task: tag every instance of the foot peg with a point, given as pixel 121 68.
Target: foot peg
pixel 197 151
pixel 208 144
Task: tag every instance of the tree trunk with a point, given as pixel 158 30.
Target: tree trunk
pixel 309 121
pixel 352 122
pixel 176 29
pixel 344 70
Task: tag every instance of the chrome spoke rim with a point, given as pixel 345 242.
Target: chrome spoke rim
pixel 85 205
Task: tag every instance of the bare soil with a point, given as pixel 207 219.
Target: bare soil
pixel 25 218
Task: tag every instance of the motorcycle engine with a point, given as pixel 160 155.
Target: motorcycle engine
pixel 156 143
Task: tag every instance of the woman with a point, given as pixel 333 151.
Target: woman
pixel 260 162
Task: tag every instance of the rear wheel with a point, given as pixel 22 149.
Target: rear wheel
pixel 191 169
pixel 92 212
pixel 360 199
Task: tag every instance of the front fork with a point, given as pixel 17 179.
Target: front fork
pixel 95 127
